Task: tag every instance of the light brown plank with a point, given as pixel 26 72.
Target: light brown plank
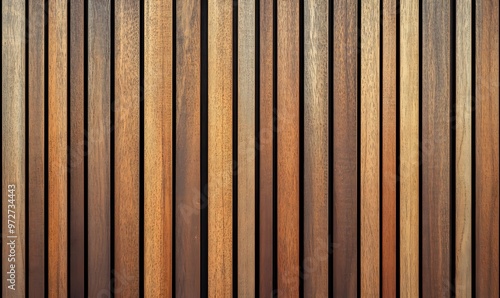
pixel 388 147
pixel 36 150
pixel 345 151
pixel 188 150
pixel 158 121
pixel 266 148
pixel 220 146
pixel 57 163
pixel 316 177
pixel 463 163
pixel 127 100
pixel 99 179
pixel 77 152
pixel 288 148
pixel 246 148
pixel 487 148
pixel 13 142
pixel 370 117
pixel 409 149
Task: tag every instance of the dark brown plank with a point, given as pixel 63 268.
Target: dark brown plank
pixel 288 148
pixel 99 192
pixel 57 163
pixel 127 100
pixel 435 149
pixel 36 171
pixel 158 121
pixel 316 138
pixel 13 143
pixel 487 148
pixel 388 149
pixel 345 150
pixel 77 152
pixel 187 235
pixel 266 148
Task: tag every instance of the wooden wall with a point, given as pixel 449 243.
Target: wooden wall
pixel 218 148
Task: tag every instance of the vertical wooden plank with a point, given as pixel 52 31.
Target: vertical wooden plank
pixel 436 148
pixel 36 150
pixel 57 163
pixel 127 100
pixel 388 147
pixel 246 148
pixel 77 151
pixel 158 148
pixel 345 176
pixel 188 149
pixel 288 147
pixel 409 149
pixel 99 192
pixel 266 147
pixel 463 153
pixel 13 144
pixel 316 177
pixel 220 147
pixel 487 148
pixel 370 116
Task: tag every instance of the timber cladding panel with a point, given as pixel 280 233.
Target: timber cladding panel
pixel 250 148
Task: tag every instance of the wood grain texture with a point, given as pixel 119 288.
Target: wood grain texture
pixel 220 148
pixel 487 148
pixel 463 153
pixel 58 157
pixel 436 149
pixel 409 149
pixel 246 148
pixel 370 148
pixel 288 147
pixel 188 150
pixel 36 147
pixel 13 141
pixel 316 137
pixel 77 151
pixel 158 102
pixel 345 178
pixel 126 108
pixel 267 128
pixel 388 148
pixel 99 150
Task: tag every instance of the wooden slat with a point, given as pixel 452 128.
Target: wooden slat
pixel 77 152
pixel 13 142
pixel 57 163
pixel 345 178
pixel 266 125
pixel 220 146
pixel 158 169
pixel 127 100
pixel 316 177
pixel 288 148
pixel 388 149
pixel 435 148
pixel 36 148
pixel 246 148
pixel 370 117
pixel 188 149
pixel 99 191
pixel 463 153
pixel 487 148
pixel 409 149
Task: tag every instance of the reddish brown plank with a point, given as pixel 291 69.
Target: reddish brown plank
pixel 345 180
pixel 487 148
pixel 188 150
pixel 126 108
